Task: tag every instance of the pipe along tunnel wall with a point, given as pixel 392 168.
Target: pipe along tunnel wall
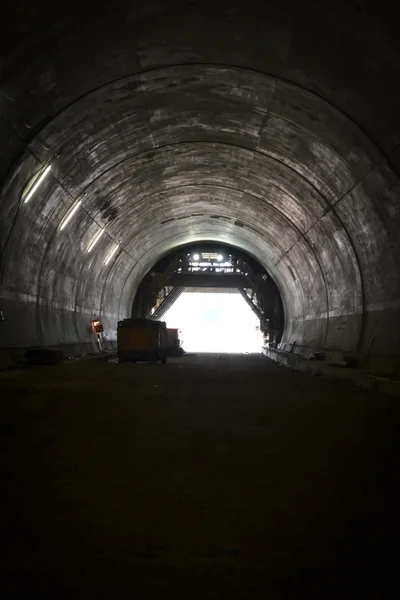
pixel 171 131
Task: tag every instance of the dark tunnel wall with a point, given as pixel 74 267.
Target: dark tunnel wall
pixel 274 129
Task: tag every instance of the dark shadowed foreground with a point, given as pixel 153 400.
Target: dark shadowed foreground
pixel 214 476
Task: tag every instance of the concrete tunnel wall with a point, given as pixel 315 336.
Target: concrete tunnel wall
pixel 173 127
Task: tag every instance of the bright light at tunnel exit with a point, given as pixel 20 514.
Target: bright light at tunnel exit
pixel 215 322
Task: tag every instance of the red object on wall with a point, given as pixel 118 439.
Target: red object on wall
pixel 97 326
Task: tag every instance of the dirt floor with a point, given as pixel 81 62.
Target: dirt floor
pixel 211 477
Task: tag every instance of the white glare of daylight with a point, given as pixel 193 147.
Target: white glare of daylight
pixel 215 322
pixel 111 254
pixel 70 214
pixel 37 181
pixel 95 239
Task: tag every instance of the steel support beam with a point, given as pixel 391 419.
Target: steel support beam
pixel 253 307
pixel 168 301
pixel 209 280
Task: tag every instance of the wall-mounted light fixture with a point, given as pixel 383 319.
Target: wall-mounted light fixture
pixel 70 214
pixel 111 254
pixel 95 239
pixel 35 183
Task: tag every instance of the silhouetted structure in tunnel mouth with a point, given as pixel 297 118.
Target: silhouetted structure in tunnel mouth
pixel 274 128
pixel 210 266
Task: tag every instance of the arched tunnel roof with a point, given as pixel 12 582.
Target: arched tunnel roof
pixel 273 128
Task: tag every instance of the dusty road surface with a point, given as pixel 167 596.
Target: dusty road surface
pixel 210 477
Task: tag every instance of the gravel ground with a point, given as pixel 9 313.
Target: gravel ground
pixel 212 477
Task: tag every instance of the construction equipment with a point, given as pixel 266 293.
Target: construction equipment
pixel 142 339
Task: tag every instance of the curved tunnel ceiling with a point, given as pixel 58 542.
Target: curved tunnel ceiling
pixel 172 127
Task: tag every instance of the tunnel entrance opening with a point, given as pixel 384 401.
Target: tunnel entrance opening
pixel 240 286
pixel 215 321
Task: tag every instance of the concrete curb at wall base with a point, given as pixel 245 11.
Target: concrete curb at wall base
pixel 14 357
pixel 370 382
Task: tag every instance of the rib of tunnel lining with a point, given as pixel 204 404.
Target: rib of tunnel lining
pixel 157 151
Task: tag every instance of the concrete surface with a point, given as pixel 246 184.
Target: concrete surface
pixel 271 126
pixel 212 477
pixel 381 383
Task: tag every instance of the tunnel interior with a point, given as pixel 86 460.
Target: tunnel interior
pixel 133 131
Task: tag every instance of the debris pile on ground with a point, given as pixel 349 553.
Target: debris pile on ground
pixel 39 356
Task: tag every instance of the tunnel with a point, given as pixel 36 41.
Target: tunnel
pixel 273 128
pixel 131 132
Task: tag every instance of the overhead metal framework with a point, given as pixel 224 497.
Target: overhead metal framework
pixel 211 266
